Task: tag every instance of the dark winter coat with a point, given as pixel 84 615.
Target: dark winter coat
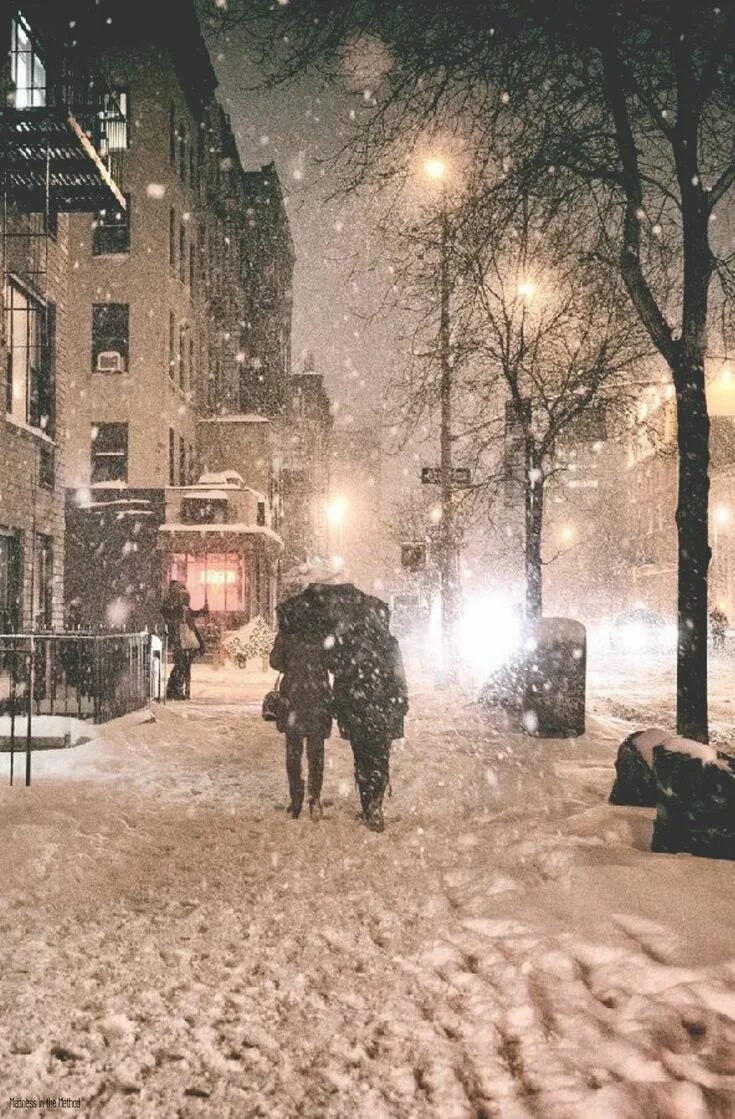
pixel 305 686
pixel 370 692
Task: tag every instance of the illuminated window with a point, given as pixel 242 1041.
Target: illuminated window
pixel 30 338
pixel 27 71
pixel 213 577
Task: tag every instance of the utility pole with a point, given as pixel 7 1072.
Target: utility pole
pixel 448 564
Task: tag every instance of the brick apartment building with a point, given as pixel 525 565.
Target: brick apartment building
pixel 57 113
pixel 158 314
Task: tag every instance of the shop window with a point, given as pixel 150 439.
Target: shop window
pixel 111 230
pixel 30 333
pixel 27 71
pixel 109 453
pixel 110 337
pixel 219 579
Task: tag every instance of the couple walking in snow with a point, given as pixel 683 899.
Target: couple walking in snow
pixel 369 700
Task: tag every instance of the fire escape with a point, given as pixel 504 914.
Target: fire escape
pixel 63 134
pixel 60 129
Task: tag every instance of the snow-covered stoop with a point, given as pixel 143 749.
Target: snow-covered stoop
pixel 173 945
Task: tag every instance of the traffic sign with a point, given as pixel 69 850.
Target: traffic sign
pixel 432 476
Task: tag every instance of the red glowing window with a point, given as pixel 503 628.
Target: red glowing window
pixel 217 578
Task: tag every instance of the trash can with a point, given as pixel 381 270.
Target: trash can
pixel 555 678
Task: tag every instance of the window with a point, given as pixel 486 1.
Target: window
pixel 116 119
pixel 172 226
pixel 182 251
pixel 171 457
pixel 27 71
pixel 220 579
pixel 30 332
pixel 182 356
pixel 10 582
pixel 260 513
pixel 172 133
pixel 191 379
pixel 43 583
pixel 192 262
pixel 110 337
pixel 182 461
pixel 172 345
pixel 182 152
pixel 111 230
pixel 109 453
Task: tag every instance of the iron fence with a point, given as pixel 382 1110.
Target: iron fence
pixel 82 675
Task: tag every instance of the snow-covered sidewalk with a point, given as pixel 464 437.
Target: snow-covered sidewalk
pixel 175 946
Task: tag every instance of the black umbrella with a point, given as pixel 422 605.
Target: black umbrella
pixel 332 610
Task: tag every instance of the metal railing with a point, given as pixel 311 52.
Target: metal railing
pixel 80 675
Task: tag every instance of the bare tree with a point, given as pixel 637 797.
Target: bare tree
pixel 630 101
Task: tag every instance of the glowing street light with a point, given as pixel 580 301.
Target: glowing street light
pixel 336 509
pixel 722 514
pixel 435 168
pixel 526 289
pixel 567 533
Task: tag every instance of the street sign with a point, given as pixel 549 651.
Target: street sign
pixel 413 556
pixel 432 476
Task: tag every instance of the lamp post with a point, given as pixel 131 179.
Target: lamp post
pixel 436 170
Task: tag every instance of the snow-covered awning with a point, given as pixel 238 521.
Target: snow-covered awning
pixel 232 536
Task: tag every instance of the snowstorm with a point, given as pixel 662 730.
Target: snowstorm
pixel 367 559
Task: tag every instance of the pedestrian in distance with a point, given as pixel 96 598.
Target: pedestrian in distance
pixel 306 715
pixel 370 704
pixel 718 625
pixel 184 639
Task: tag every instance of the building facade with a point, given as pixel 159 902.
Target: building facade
pixel 304 440
pixel 57 116
pixel 158 313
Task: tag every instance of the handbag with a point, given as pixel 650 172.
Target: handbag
pixel 275 706
pixel 188 638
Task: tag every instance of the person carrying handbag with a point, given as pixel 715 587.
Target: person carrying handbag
pixel 303 715
pixel 184 638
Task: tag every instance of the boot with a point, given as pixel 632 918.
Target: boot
pixel 374 815
pixel 315 809
pixel 297 801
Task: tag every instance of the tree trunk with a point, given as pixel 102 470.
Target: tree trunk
pixel 534 508
pixel 694 552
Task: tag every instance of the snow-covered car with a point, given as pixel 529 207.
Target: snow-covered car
pixel 643 631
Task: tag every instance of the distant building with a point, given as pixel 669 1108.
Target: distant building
pixel 305 449
pixel 58 119
pixel 267 276
pixel 158 312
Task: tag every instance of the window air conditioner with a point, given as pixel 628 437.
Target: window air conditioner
pixel 110 361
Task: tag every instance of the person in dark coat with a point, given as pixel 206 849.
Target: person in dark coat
pixel 177 613
pixel 308 715
pixel 370 704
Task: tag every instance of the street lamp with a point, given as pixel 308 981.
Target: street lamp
pixel 436 169
pixel 336 510
pixel 526 289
